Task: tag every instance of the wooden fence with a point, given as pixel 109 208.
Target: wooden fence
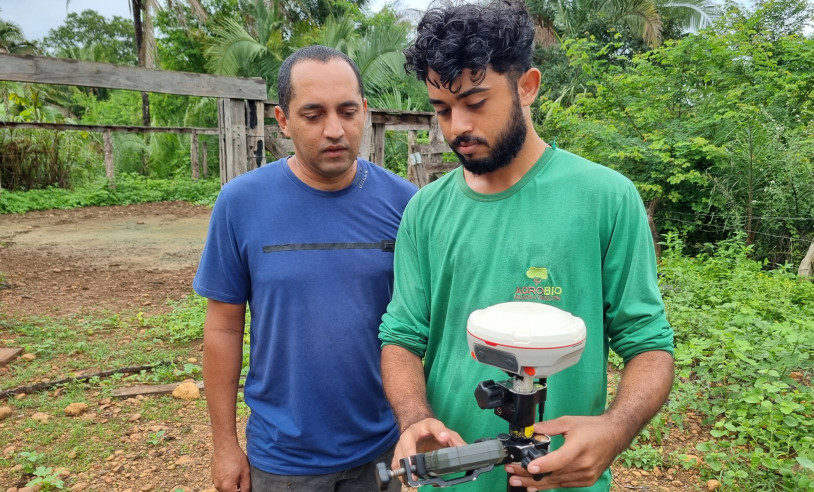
pixel 243 136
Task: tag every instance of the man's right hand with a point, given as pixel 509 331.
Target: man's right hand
pixel 425 435
pixel 230 470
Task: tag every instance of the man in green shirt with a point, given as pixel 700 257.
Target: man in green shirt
pixel 521 220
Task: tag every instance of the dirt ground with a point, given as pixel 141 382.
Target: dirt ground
pixel 123 258
pixel 59 261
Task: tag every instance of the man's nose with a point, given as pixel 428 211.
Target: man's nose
pixel 333 127
pixel 460 123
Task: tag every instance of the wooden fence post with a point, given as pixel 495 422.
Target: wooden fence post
pixel 205 163
pixel 416 173
pixel 110 168
pixel 366 149
pixel 241 137
pixel 807 265
pixel 372 147
pixel 255 130
pixel 193 155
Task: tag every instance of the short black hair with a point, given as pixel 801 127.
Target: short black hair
pixel 452 38
pixel 322 54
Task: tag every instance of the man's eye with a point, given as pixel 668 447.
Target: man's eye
pixel 477 104
pixel 311 117
pixel 442 112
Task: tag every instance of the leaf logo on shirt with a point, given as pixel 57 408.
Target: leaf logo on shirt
pixel 537 274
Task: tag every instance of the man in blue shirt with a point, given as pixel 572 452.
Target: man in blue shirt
pixel 307 241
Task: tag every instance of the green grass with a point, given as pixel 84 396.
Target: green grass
pixel 72 344
pixel 130 189
pixel 77 342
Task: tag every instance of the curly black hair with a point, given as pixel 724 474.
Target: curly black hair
pixel 453 38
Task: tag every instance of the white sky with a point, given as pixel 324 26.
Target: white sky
pixel 36 17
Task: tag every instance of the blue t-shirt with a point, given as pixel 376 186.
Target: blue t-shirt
pixel 316 268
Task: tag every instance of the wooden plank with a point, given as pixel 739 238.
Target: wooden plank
pixel 378 144
pixel 233 120
pixel 255 133
pixel 150 389
pixel 415 167
pixel 406 118
pixel 205 164
pixel 110 168
pixel 104 128
pixel 225 148
pixel 9 354
pixel 193 156
pixel 278 147
pixel 807 265
pixel 46 70
pixel 367 147
pixel 436 148
pixel 393 120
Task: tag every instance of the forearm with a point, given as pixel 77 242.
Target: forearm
pixel 223 359
pixel 643 388
pixel 404 385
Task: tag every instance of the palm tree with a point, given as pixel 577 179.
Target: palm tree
pixel 557 19
pixel 377 52
pixel 13 41
pixel 257 49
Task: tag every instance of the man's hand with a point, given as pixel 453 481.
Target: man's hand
pixel 423 436
pixel 591 445
pixel 230 470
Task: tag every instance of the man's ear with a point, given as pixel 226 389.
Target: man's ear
pixel 279 115
pixel 528 86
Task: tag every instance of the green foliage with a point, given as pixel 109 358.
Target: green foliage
pixel 29 460
pixel 32 159
pixel 716 129
pixel 642 23
pixel 13 41
pixel 121 108
pixel 130 188
pixel 644 457
pixel 115 37
pixel 45 479
pixel 184 323
pixel 744 340
pixel 155 438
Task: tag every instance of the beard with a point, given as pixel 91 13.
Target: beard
pixel 506 147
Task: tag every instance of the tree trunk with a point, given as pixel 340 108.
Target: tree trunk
pixel 141 49
pixel 807 265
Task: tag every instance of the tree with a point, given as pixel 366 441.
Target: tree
pixel 13 41
pixel 184 34
pixel 113 39
pixel 375 46
pixel 716 129
pixel 145 38
pixel 643 19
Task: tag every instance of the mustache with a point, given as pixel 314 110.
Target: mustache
pixel 465 139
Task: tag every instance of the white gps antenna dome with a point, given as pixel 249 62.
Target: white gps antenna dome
pixel 526 338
